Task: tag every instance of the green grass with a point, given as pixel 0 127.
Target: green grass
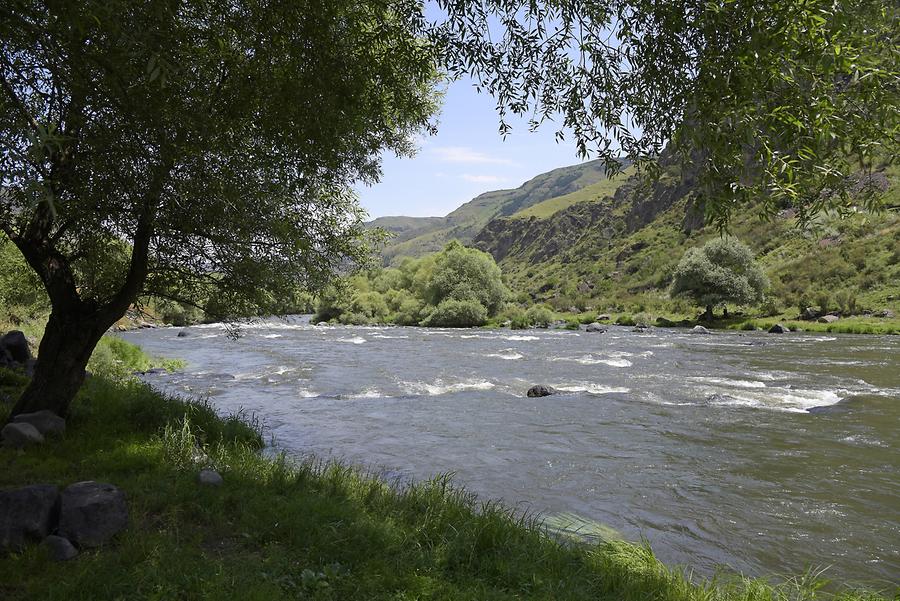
pixel 283 529
pixel 594 192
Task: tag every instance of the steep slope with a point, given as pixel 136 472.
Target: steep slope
pixel 620 251
pixel 417 236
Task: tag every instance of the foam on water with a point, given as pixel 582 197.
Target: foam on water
pixel 439 387
pixel 354 340
pixel 507 354
pixel 730 382
pixel 521 338
pixel 593 388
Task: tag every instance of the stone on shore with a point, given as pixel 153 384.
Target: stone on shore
pixel 59 548
pixel 27 515
pixel 91 513
pixel 20 435
pixel 595 327
pixel 779 329
pixel 209 477
pixel 46 422
pixel 541 390
pixel 16 345
pixel 828 319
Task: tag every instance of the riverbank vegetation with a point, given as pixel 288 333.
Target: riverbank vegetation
pixel 284 529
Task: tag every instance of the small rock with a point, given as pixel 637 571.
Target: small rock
pixel 91 513
pixel 595 327
pixel 16 345
pixel 779 329
pixel 46 422
pixel 641 329
pixel 828 319
pixel 19 436
pixel 699 330
pixel 59 548
pixel 810 313
pixel 209 477
pixel 183 334
pixel 884 313
pixel 541 390
pixel 26 514
pixel 603 317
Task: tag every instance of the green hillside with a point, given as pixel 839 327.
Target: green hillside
pixel 416 236
pixel 601 189
pixel 619 252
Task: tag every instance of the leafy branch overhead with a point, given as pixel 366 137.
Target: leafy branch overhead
pixel 773 99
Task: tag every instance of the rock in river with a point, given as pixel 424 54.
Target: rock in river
pixel 541 390
pixel 699 330
pixel 595 327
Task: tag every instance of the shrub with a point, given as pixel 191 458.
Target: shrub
pixel 539 316
pixel 453 313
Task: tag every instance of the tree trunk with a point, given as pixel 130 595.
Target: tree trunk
pixel 725 312
pixel 69 340
pixel 708 316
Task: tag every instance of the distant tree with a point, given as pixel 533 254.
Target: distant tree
pixel 465 274
pixel 457 313
pixel 721 271
pixel 194 149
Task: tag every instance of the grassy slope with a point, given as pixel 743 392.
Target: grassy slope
pixel 597 191
pixel 277 530
pixel 418 236
pixel 632 272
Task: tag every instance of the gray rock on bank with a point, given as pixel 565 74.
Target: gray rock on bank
pixel 828 319
pixel 541 390
pixel 595 327
pixel 779 329
pixel 16 346
pixel 46 422
pixel 20 435
pixel 59 548
pixel 209 477
pixel 91 513
pixel 27 514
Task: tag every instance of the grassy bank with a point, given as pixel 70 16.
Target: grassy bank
pixel 284 530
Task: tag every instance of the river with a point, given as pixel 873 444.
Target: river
pixel 765 453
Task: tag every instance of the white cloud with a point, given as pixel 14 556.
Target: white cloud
pixel 463 154
pixel 484 179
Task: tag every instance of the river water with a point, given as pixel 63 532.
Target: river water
pixel 765 453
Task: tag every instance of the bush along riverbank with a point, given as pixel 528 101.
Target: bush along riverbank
pixel 282 529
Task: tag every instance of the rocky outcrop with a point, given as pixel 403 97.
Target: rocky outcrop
pixel 541 390
pixel 27 514
pixel 91 513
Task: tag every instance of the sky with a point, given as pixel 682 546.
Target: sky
pixel 466 157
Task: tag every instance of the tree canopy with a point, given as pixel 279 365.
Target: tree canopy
pixel 775 100
pixel 721 271
pixel 191 148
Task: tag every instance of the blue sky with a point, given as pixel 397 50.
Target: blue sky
pixel 465 158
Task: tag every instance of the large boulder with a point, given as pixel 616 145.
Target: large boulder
pixel 16 346
pixel 595 327
pixel 810 314
pixel 828 319
pixel 91 513
pixel 541 390
pixel 46 422
pixel 19 436
pixel 27 515
pixel 779 329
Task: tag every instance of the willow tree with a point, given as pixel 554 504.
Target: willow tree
pixel 183 147
pixel 766 102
